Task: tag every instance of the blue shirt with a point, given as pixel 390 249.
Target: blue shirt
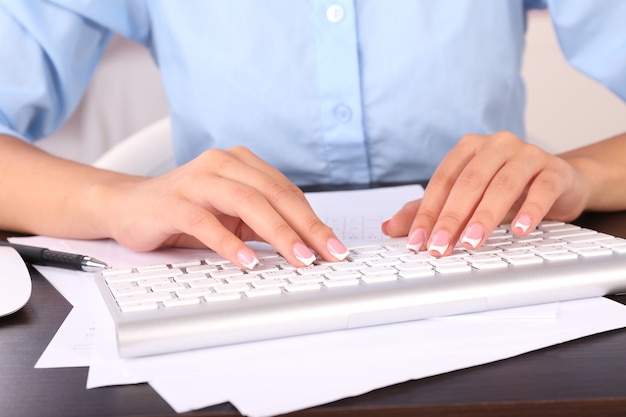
pixel 328 91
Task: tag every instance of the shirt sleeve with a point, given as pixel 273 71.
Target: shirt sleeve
pixel 592 35
pixel 48 55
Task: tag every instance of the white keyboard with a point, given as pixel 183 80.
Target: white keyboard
pixel 200 294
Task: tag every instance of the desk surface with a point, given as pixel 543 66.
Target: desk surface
pixel 581 377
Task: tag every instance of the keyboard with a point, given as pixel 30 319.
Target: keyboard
pixel 211 302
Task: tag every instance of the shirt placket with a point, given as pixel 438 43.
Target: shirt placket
pixel 339 88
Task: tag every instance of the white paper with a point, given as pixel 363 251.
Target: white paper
pixel 363 210
pixel 265 379
pixel 73 342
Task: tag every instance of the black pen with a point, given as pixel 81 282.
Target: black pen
pixel 46 257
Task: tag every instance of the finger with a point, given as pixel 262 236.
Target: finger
pixel 502 193
pixel 467 192
pixel 252 207
pixel 400 223
pixel 286 199
pixel 194 220
pixel 541 195
pixel 438 190
pixel 247 157
pixel 245 202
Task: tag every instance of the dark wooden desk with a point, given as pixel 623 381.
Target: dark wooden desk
pixel 586 377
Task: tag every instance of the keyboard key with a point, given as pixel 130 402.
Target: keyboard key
pixel 416 273
pixel 149 282
pixel 377 270
pixel 262 292
pixel 485 250
pixel 301 279
pixel 452 268
pixel 181 302
pixel 544 250
pixel 243 278
pixel 490 264
pixel 374 278
pixel 147 268
pixel 364 257
pixel 418 265
pixel 133 308
pixel 226 273
pixel 590 252
pixel 342 275
pixel 550 224
pixel 202 268
pixel 591 237
pixel 135 276
pixel 130 290
pixel 269 283
pixel 382 262
pixel 314 270
pixel 447 262
pixel 525 260
pixel 348 266
pixel 109 272
pixel 189 277
pixel 213 298
pixel 192 292
pixel 185 264
pixel 305 286
pixel 559 256
pixel 167 287
pixel 204 283
pixel 618 245
pixel 234 287
pixel 149 297
pixel 341 283
pixel 279 274
pixel 568 233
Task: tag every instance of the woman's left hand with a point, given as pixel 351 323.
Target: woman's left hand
pixel 485 181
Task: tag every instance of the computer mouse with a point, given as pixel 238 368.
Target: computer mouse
pixel 15 283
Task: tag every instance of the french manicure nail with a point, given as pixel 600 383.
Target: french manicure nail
pixel 416 240
pixel 439 242
pixel 473 235
pixel 523 223
pixel 337 249
pixel 303 254
pixel 247 258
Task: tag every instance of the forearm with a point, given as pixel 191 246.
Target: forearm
pixel 603 166
pixel 43 194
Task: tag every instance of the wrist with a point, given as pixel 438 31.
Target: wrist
pixel 104 206
pixel 590 179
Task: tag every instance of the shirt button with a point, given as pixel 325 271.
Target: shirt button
pixel 335 13
pixel 343 113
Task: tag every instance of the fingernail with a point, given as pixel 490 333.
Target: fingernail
pixel 473 235
pixel 439 242
pixel 416 240
pixel 384 226
pixel 523 223
pixel 303 253
pixel 247 258
pixel 337 249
